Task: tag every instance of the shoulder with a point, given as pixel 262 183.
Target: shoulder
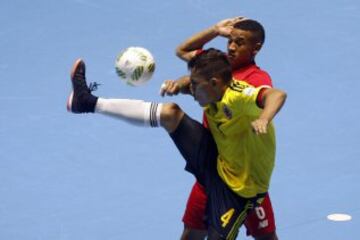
pixel 239 90
pixel 253 75
pixel 238 86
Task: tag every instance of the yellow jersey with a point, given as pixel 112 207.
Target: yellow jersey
pixel 246 160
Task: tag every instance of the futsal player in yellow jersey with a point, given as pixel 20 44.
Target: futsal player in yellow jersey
pixel 235 176
pixel 245 160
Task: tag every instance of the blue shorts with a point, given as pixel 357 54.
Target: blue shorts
pixel 225 211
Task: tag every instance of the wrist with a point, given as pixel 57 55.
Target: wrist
pixel 264 119
pixel 183 87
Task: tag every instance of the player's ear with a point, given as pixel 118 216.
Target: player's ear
pixel 257 48
pixel 214 81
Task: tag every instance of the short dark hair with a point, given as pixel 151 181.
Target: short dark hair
pixel 252 26
pixel 211 63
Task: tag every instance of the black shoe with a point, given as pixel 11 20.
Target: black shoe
pixel 80 100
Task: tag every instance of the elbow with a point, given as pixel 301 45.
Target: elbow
pixel 179 52
pixel 183 53
pixel 283 95
pixel 275 95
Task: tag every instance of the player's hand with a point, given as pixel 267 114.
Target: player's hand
pixel 260 126
pixel 224 27
pixel 170 88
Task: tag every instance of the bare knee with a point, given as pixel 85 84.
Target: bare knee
pixel 170 117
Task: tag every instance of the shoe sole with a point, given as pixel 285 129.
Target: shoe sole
pixel 69 101
pixel 72 73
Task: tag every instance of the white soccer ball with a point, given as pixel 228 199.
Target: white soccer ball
pixel 135 65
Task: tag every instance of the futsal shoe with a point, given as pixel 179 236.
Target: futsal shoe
pixel 80 100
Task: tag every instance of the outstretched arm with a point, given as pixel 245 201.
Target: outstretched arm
pixel 273 100
pixel 174 87
pixel 188 48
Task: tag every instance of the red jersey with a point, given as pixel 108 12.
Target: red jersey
pixel 253 75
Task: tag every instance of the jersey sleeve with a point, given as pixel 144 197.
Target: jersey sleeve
pixel 259 79
pixel 259 98
pixel 250 100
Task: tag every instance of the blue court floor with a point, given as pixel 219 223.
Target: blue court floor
pixel 71 177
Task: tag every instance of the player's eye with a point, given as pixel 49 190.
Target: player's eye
pixel 239 41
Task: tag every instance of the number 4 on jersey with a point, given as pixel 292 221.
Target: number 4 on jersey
pixel 225 218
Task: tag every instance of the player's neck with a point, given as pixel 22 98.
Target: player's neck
pixel 243 65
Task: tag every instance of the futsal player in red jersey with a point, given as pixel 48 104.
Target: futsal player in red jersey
pixel 245 39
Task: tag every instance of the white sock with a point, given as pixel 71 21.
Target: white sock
pixel 136 112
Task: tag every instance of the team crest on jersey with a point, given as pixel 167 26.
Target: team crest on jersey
pixel 227 112
pixel 249 91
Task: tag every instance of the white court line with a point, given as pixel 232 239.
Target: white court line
pixel 339 217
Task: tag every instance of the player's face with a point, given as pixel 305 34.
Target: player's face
pixel 241 48
pixel 203 91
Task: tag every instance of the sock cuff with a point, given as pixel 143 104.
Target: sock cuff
pixel 155 111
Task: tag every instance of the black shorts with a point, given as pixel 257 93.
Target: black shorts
pixel 225 210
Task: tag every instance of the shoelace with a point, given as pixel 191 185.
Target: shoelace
pixel 93 86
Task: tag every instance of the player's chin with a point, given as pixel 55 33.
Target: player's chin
pixel 202 103
pixel 231 57
pixel 201 100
